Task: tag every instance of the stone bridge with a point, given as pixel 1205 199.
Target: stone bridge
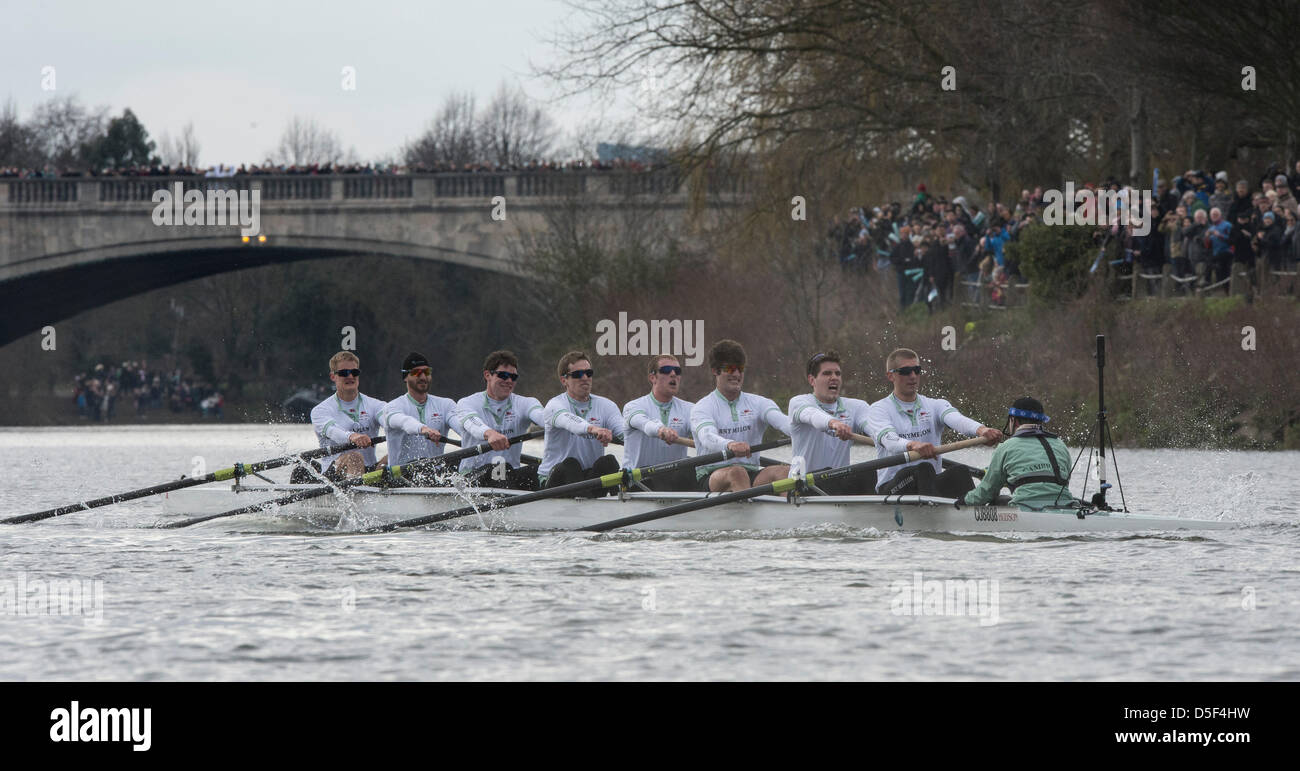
pixel 70 244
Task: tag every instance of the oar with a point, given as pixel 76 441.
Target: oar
pixel 612 479
pixel 779 486
pixel 978 473
pixel 221 475
pixel 373 477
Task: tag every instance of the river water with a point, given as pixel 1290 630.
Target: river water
pixel 221 602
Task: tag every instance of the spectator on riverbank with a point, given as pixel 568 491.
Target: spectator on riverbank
pixel 1220 235
pixel 1271 241
pixel 96 395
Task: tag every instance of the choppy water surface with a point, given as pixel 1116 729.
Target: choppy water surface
pixel 226 602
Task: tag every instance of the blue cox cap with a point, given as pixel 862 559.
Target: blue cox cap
pixel 1029 409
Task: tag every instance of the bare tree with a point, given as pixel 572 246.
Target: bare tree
pixel 189 145
pixel 183 151
pixel 62 126
pixel 512 132
pixel 450 138
pixel 17 141
pixel 169 151
pixel 991 86
pixel 305 142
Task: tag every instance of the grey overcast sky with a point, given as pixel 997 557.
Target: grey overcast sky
pixel 240 70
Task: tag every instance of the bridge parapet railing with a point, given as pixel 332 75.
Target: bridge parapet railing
pixel 305 187
pixel 36 191
pixel 551 184
pixel 378 187
pixel 667 182
pixel 121 189
pixel 468 185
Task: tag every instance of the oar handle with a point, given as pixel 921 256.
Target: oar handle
pixel 321 452
pixel 978 472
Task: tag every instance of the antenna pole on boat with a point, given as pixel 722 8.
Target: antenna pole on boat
pixel 1099 498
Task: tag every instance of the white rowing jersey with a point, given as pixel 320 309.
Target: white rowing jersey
pixel 511 416
pixel 810 427
pixel 566 420
pixel 402 419
pixel 644 418
pixel 716 422
pixel 335 420
pixel 893 423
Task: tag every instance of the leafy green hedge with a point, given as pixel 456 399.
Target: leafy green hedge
pixel 1055 259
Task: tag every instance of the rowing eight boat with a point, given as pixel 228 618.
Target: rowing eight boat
pixel 362 507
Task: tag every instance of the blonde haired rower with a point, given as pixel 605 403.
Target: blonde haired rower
pixel 907 421
pixel 346 416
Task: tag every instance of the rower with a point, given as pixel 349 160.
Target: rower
pixel 655 423
pixel 416 422
pixel 579 425
pixel 346 416
pixel 1032 462
pixel 501 413
pixel 907 421
pixel 730 419
pixel 822 425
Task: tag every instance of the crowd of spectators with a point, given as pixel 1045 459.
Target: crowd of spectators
pixel 98 393
pixel 933 243
pixel 1197 227
pixel 268 168
pixel 1203 229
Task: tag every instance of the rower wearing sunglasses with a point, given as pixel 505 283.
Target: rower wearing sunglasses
pixel 655 422
pixel 907 421
pixel 416 422
pixel 501 413
pixel 730 419
pixel 579 425
pixel 346 416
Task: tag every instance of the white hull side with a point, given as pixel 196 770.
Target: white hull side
pixel 366 507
